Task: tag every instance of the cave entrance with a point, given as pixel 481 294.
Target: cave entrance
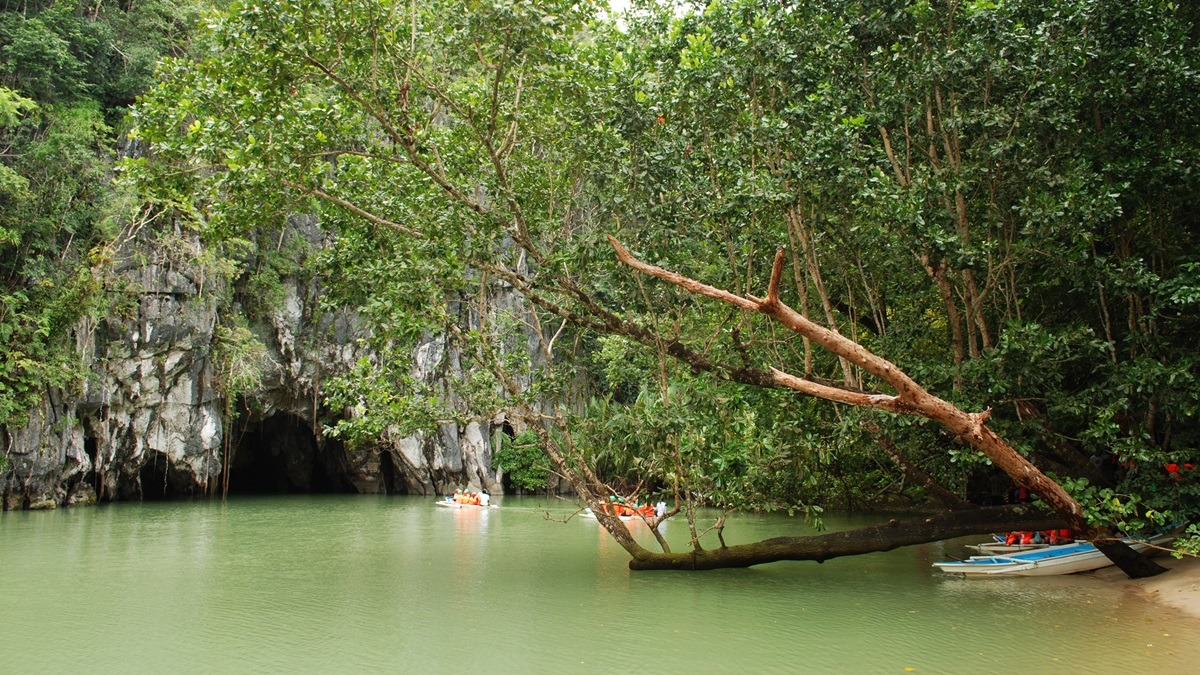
pixel 507 433
pixel 388 474
pixel 281 455
pixel 158 480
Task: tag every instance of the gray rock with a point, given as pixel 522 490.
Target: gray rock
pixel 149 422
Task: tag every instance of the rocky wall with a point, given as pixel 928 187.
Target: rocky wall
pixel 148 421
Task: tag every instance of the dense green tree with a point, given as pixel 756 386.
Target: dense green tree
pixel 961 186
pixel 68 72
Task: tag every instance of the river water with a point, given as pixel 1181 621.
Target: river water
pixel 371 583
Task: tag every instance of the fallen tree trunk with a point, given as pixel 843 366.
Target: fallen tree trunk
pixel 910 399
pixel 882 537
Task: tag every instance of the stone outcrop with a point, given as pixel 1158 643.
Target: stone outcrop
pixel 149 422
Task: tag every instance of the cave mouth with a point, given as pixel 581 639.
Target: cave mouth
pixel 281 454
pixel 506 482
pixel 158 480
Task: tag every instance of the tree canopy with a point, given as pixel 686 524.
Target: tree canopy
pixel 68 73
pixel 997 197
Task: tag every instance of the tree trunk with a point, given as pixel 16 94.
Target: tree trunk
pixel 938 274
pixel 882 537
pixel 1133 564
pixel 910 399
pixel 937 492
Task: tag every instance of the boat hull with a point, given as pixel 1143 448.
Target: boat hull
pixel 587 513
pixel 455 505
pixel 1069 559
pixel 1002 549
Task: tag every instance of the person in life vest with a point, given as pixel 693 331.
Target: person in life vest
pixel 1026 538
pixel 1057 537
pixel 1176 472
pixel 1012 538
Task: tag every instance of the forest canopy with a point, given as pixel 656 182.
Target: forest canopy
pixel 1000 198
pixel 69 71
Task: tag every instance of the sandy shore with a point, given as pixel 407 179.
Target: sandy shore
pixel 1179 588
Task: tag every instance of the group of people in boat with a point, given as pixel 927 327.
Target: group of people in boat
pixel 1051 537
pixel 621 507
pixel 470 498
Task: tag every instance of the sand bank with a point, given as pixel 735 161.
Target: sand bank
pixel 1179 587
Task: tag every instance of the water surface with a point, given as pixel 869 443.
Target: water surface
pixel 373 583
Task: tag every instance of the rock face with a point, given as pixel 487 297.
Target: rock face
pixel 149 423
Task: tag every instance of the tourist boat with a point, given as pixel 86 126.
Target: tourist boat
pixel 1000 548
pixel 1052 560
pixel 449 502
pixel 658 509
pixel 1003 544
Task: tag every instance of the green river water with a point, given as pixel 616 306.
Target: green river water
pixel 335 584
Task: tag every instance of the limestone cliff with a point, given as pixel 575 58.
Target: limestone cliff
pixel 148 422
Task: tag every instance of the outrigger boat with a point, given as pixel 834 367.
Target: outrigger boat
pixel 1049 561
pixel 1016 542
pixel 999 548
pixel 646 512
pixel 455 505
pixel 467 501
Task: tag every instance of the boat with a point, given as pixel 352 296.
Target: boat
pixel 1049 561
pixel 1003 549
pixel 450 503
pixel 1016 542
pixel 658 509
pixel 588 513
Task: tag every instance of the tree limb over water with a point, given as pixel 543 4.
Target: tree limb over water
pixel 882 537
pixel 910 399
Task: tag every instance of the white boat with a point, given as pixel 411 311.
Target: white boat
pixel 659 509
pixel 450 503
pixel 1053 560
pixel 1004 549
pixel 587 513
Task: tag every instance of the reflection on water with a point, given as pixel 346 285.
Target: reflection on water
pixel 340 584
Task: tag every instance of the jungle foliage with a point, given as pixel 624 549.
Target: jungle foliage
pixel 1000 197
pixel 68 73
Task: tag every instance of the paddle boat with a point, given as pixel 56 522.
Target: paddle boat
pixel 627 513
pixel 1004 549
pixel 1049 561
pixel 467 500
pixel 1016 542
